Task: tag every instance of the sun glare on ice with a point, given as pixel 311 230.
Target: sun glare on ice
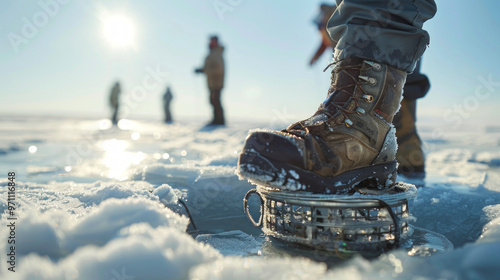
pixel 118 160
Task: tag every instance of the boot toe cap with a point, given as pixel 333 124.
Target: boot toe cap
pixel 276 146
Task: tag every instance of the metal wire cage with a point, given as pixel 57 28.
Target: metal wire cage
pixel 365 222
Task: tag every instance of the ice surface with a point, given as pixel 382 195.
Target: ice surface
pixel 233 242
pixel 94 202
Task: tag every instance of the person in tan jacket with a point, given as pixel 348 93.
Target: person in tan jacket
pixel 214 70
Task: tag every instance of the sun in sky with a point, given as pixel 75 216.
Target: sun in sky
pixel 118 30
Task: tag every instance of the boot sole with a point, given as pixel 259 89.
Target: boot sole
pixel 269 172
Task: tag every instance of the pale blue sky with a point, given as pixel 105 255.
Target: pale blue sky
pixel 67 67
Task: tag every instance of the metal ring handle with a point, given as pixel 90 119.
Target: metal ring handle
pixel 245 207
pixel 395 219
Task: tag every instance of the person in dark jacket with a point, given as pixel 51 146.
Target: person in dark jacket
pixel 167 98
pixel 325 12
pixel 114 102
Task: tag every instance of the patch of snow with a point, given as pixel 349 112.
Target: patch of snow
pixel 294 174
pixel 491 158
pixel 139 251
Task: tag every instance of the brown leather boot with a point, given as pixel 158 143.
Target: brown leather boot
pixel 410 155
pixel 349 139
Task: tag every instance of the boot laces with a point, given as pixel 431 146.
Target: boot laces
pixel 330 106
pixel 338 106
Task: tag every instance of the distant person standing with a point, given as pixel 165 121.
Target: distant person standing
pixel 114 101
pixel 214 69
pixel 325 12
pixel 167 98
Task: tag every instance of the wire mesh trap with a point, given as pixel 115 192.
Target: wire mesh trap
pixel 368 221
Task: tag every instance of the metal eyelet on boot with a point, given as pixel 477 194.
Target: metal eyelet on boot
pixel 360 111
pixel 370 80
pixel 368 98
pixel 348 122
pixel 374 65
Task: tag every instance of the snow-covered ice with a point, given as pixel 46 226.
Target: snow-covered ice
pixel 95 202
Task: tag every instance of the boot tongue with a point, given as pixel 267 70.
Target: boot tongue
pixel 346 75
pixel 341 80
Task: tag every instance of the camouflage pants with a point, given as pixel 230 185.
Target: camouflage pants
pixel 387 31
